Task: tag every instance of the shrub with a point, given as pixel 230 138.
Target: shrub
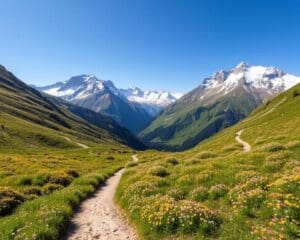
pixel 141 188
pixel 204 176
pixel 247 202
pixel 176 193
pixel 41 179
pixel 232 147
pixel 273 147
pixel 244 176
pixel 159 171
pixel 291 164
pixel 61 178
pixel 272 166
pixel 24 180
pixel 199 194
pixel 9 200
pixel 218 191
pixel 166 215
pixel 289 183
pixel 50 188
pixel 172 161
pixel 185 180
pixel 131 164
pixel 191 162
pixel 255 182
pixel 278 156
pixel 207 154
pixel 32 191
pixel 72 173
pixel 296 93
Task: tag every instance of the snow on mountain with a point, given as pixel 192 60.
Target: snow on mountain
pixel 152 101
pixel 267 81
pixel 83 86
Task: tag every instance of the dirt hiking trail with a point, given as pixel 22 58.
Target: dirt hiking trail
pixel 79 144
pixel 246 146
pixel 99 218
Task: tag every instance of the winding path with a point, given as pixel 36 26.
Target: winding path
pixel 99 218
pixel 246 146
pixel 79 144
pixel 255 117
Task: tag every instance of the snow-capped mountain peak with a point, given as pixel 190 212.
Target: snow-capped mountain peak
pixel 256 78
pixel 84 86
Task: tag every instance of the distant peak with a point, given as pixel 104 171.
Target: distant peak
pixel 242 65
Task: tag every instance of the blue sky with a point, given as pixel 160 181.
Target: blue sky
pixel 152 44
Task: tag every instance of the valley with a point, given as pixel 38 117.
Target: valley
pixel 69 172
pixel 150 120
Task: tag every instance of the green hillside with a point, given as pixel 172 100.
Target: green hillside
pixel 52 157
pixel 216 190
pixel 184 124
pixel 30 115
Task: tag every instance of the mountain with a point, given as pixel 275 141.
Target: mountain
pixel 39 119
pixel 100 96
pixel 121 104
pixel 219 102
pixel 152 101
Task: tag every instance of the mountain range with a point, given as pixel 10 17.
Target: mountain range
pixel 102 96
pixel 218 102
pixel 48 120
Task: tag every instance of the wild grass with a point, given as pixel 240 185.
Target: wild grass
pixel 237 195
pixel 41 184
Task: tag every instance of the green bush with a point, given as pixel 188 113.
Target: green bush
pixel 296 93
pixel 32 191
pixel 61 178
pixel 24 180
pixel 50 188
pixel 167 215
pixel 273 147
pixel 199 194
pixel 207 154
pixel 159 171
pixel 131 164
pixel 9 200
pixel 218 191
pixel 176 193
pixel 72 173
pixel 191 161
pixel 248 202
pixel 172 161
pixel 204 176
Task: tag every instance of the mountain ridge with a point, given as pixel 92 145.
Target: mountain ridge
pixel 220 101
pixel 23 103
pixel 123 105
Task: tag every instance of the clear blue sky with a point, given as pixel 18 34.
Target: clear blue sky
pixel 152 44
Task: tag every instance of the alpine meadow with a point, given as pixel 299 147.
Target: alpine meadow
pixel 149 120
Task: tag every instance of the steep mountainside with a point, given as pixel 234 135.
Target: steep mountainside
pixel 222 100
pixel 37 119
pixel 100 96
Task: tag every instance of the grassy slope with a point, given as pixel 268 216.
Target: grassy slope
pixel 182 127
pixel 255 194
pixel 43 176
pixel 22 102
